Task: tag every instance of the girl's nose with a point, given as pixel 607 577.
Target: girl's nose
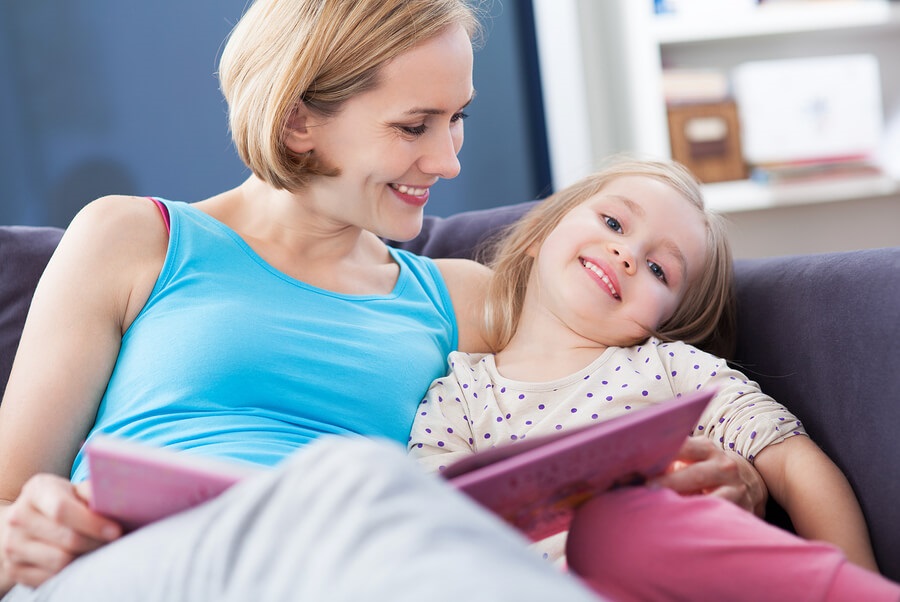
pixel 624 256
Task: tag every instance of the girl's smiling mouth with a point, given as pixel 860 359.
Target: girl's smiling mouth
pixel 603 277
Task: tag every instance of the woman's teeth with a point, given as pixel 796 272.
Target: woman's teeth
pixel 404 189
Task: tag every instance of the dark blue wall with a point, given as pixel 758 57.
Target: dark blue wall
pixel 105 97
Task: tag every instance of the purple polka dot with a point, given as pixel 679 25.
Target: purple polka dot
pixel 440 444
pixel 594 416
pixel 559 427
pixel 541 407
pixel 450 430
pixel 645 393
pixel 487 435
pixel 574 410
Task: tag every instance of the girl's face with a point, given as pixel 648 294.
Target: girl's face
pixel 392 143
pixel 617 265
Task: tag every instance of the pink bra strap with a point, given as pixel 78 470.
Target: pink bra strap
pixel 164 211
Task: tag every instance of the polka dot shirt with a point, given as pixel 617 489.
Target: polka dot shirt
pixel 474 407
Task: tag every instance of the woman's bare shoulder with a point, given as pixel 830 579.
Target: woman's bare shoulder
pixel 115 245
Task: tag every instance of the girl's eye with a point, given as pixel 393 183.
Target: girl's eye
pixel 657 271
pixel 459 117
pixel 613 223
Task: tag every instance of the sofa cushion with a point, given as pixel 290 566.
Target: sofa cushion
pixel 821 334
pixel 463 234
pixel 24 252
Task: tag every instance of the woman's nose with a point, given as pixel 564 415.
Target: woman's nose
pixel 440 157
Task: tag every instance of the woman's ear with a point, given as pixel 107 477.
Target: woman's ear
pixel 297 131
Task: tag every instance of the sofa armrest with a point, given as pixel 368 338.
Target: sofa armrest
pixel 821 334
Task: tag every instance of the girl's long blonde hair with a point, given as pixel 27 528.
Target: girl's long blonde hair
pixel 704 318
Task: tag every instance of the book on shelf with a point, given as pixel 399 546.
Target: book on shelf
pixel 811 171
pixel 684 86
pixel 533 484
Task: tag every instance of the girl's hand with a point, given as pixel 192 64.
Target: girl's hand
pixel 47 527
pixel 704 468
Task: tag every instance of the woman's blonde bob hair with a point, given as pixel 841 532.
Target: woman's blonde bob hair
pixel 704 318
pixel 320 53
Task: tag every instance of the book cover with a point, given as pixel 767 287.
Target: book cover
pixel 533 484
pixel 136 484
pixel 536 484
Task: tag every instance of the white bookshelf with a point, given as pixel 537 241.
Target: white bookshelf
pixel 624 46
pixel 773 19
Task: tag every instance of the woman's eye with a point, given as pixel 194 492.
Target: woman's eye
pixel 613 223
pixel 657 271
pixel 459 117
pixel 413 130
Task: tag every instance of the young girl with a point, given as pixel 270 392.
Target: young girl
pixel 603 301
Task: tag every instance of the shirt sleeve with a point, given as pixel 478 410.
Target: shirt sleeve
pixel 741 418
pixel 441 433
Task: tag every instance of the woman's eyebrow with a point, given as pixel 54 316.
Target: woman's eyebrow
pixel 432 111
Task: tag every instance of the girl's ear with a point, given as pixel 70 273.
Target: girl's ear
pixel 297 131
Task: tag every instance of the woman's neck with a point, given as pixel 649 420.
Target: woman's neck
pixel 282 230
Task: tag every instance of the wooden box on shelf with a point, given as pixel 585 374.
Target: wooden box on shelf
pixel 705 137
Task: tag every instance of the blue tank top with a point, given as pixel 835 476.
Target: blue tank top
pixel 231 358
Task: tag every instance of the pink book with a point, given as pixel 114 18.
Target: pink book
pixel 136 484
pixel 535 484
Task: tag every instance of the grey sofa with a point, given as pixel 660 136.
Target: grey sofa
pixel 821 333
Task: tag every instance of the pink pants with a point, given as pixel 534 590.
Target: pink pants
pixel 646 544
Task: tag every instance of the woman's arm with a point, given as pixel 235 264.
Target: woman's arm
pixel 817 497
pixel 467 282
pixel 94 285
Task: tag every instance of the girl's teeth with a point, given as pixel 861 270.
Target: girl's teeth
pixel 603 277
